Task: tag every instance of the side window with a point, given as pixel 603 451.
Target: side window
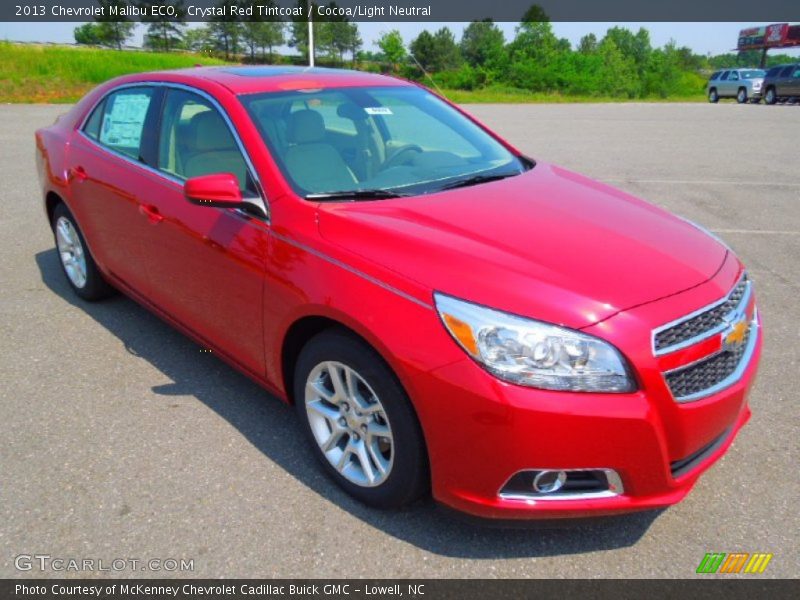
pixel 785 72
pixel 124 114
pixel 715 76
pixel 724 76
pixel 796 73
pixel 92 126
pixel 195 140
pixel 734 76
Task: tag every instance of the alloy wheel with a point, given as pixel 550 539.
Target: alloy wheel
pixel 71 252
pixel 349 424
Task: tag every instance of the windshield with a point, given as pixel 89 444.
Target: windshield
pixel 753 74
pixel 377 142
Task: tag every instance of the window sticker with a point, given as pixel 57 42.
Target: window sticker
pixel 123 125
pixel 378 110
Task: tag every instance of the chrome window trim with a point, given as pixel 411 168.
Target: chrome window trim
pixel 706 334
pixel 261 200
pixel 730 379
pixel 612 477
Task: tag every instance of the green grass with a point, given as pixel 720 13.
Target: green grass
pixel 61 74
pixel 33 73
pixel 509 96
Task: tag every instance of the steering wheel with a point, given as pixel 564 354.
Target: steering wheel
pixel 401 156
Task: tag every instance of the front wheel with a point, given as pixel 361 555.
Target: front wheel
pixel 713 97
pixel 359 421
pixel 771 97
pixel 77 262
pixel 741 96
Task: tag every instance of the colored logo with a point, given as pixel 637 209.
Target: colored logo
pixel 734 334
pixel 735 562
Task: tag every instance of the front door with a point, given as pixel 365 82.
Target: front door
pixel 206 264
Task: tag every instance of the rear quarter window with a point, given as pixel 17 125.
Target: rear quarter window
pixel 92 126
pixel 715 76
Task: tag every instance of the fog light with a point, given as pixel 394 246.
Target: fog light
pixel 547 482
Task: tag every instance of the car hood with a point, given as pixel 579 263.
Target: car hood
pixel 548 244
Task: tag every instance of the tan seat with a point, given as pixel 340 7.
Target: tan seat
pixel 211 148
pixel 314 164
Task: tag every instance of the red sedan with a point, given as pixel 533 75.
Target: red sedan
pixel 445 313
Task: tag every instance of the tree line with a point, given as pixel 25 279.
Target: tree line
pixel 622 63
pixel 254 38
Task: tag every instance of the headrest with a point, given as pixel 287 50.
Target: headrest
pixel 350 110
pixel 306 127
pixel 209 132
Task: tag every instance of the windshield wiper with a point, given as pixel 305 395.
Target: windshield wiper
pixel 356 195
pixel 475 180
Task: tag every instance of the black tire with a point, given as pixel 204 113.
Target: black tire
pixel 713 97
pixel 741 96
pixel 770 97
pixel 409 477
pixel 94 286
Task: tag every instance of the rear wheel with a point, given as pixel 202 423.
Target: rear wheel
pixel 713 97
pixel 76 260
pixel 359 421
pixel 770 97
pixel 741 96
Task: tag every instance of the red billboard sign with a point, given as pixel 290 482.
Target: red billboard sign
pixel 777 35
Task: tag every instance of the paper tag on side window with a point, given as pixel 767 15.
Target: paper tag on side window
pixel 378 110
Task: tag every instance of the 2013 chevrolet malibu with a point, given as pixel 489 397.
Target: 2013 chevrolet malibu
pixel 444 312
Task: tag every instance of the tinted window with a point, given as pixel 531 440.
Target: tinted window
pixel 196 140
pixel 752 74
pixel 773 71
pixel 124 115
pixel 724 76
pixel 785 72
pixel 408 140
pixel 715 76
pixel 796 73
pixel 92 127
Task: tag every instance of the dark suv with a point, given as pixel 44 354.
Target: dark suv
pixel 781 83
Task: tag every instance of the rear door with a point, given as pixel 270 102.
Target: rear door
pixel 107 165
pixel 794 81
pixel 732 84
pixel 206 264
pixel 722 84
pixel 783 85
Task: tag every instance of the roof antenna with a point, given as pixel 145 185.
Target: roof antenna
pixel 428 75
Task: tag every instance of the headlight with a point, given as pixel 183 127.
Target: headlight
pixel 532 353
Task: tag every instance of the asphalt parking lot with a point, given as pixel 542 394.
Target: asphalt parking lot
pixel 120 439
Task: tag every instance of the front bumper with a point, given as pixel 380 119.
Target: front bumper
pixel 482 431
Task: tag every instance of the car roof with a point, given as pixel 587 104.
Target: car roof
pixel 255 79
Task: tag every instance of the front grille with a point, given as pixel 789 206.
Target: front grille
pixel 704 374
pixel 705 322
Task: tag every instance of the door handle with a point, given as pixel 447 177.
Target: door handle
pixel 151 212
pixel 78 173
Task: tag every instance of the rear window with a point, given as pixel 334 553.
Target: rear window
pixel 715 76
pixel 773 71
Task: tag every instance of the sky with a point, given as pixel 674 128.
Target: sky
pixel 702 38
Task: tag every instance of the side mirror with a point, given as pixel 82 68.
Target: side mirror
pixel 218 189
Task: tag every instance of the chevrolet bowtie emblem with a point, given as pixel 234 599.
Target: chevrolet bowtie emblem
pixel 734 334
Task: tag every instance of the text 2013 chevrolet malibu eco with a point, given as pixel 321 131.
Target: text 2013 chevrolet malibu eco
pixel 445 313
